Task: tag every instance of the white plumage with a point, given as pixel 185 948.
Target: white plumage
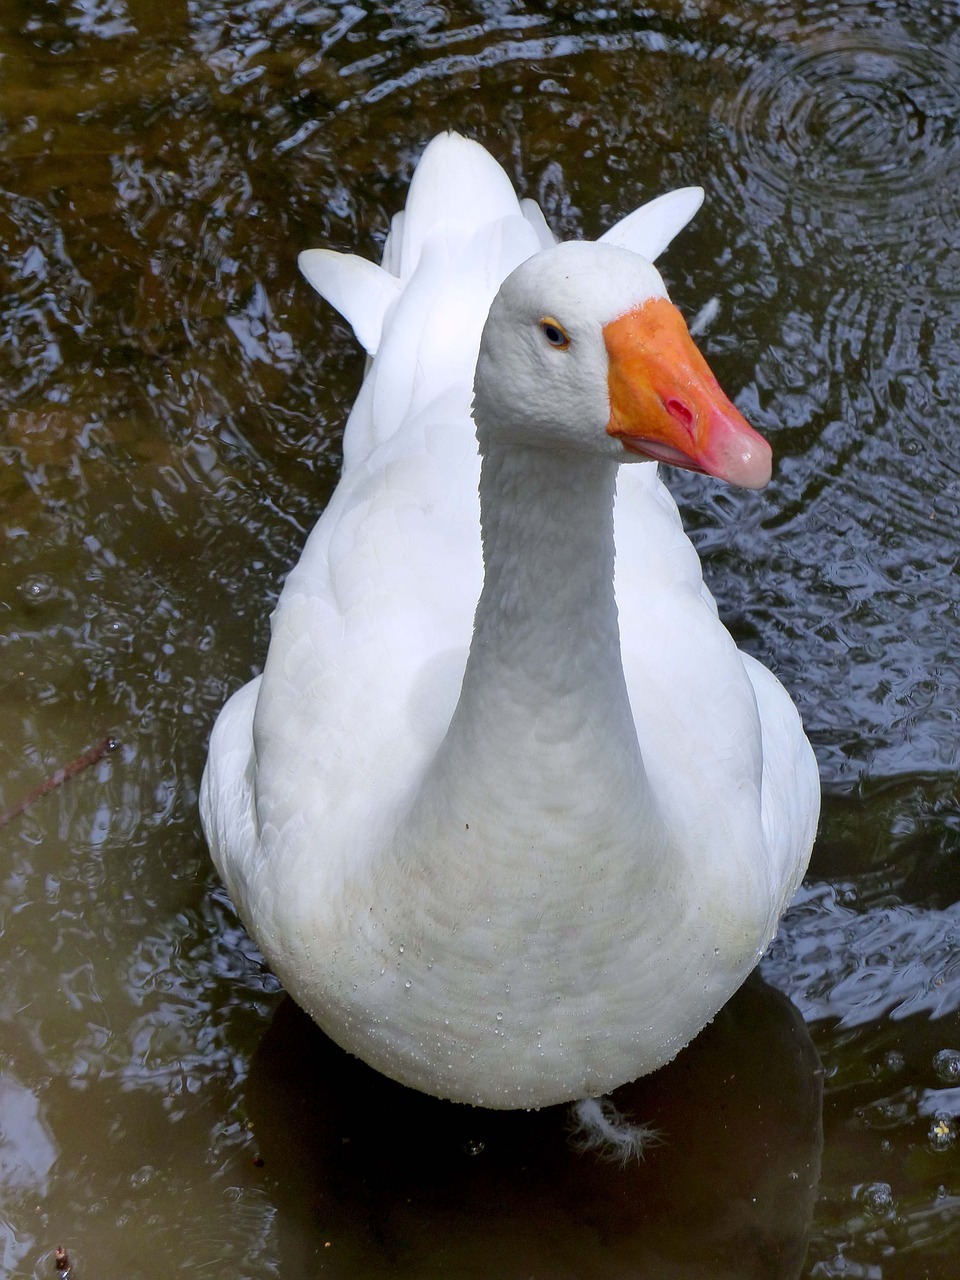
pixel 535 874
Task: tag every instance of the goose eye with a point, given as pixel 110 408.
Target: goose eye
pixel 555 333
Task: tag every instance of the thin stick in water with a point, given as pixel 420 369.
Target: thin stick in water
pixel 83 761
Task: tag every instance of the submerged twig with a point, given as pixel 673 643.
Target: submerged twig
pixel 83 761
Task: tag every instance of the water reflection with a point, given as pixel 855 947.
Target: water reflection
pixel 172 398
pixel 27 1155
pixel 373 1179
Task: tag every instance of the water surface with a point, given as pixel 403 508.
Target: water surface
pixel 172 400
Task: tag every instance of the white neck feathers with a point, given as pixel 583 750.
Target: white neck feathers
pixel 543 700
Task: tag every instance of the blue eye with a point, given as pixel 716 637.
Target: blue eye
pixel 555 333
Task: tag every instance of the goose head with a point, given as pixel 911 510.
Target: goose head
pixel 583 350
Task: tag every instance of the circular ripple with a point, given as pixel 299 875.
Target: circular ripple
pixel 855 131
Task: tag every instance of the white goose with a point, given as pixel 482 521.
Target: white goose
pixel 519 851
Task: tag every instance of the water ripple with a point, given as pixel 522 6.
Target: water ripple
pixel 835 962
pixel 850 132
pixel 546 49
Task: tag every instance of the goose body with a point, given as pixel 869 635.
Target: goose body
pixel 511 819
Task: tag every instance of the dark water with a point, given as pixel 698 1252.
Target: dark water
pixel 172 396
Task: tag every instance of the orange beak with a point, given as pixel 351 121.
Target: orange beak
pixel 666 405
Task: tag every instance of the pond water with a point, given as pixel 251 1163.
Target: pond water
pixel 172 400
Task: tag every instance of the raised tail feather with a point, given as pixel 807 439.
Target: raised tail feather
pixel 420 312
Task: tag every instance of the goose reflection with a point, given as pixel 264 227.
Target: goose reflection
pixel 372 1179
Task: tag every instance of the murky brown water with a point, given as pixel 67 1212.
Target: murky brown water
pixel 172 396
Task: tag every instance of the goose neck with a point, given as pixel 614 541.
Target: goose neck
pixel 548 548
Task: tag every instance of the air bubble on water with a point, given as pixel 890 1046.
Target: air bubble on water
pixel 875 1196
pixel 37 589
pixel 946 1064
pixel 942 1133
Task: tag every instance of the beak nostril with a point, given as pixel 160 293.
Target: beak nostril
pixel 679 410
